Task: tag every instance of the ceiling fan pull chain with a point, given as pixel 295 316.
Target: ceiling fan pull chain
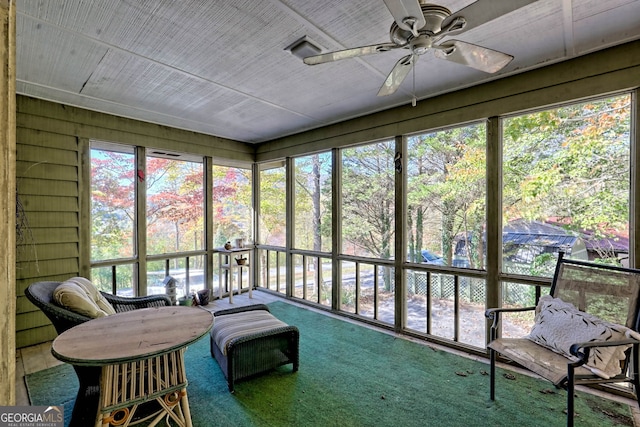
pixel 414 100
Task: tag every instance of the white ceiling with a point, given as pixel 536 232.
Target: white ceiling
pixel 220 67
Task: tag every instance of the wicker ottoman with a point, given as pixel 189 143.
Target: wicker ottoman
pixel 247 341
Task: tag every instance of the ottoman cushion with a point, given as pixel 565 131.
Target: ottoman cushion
pixel 249 340
pixel 235 325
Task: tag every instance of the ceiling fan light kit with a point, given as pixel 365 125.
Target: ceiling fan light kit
pixel 420 27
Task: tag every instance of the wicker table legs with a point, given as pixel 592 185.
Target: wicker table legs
pixel 152 389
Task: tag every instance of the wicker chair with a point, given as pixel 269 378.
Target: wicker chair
pixel 41 295
pixel 612 292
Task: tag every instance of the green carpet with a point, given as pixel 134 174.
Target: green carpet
pixel 354 376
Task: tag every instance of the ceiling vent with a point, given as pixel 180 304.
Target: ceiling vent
pixel 163 154
pixel 303 48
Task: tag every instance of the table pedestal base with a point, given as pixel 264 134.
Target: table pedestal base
pixel 157 384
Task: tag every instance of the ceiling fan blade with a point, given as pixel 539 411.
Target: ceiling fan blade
pixel 483 11
pixel 403 9
pixel 397 75
pixel 478 57
pixel 349 53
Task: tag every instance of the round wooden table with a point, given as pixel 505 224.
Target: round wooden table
pixel 141 353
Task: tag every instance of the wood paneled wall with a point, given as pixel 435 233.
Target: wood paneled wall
pixel 51 140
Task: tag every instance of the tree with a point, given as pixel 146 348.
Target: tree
pixel 368 200
pixel 446 191
pixel 175 205
pixel 112 204
pixel 273 206
pixel 313 206
pixel 313 202
pixel 571 164
pixel 231 204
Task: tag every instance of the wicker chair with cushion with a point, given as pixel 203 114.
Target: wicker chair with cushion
pixel 41 294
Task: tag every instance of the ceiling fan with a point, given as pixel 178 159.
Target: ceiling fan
pixel 419 26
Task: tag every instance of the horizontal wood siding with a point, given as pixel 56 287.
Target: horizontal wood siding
pixel 48 175
pixel 66 120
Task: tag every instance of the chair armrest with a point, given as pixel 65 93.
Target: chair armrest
pixel 586 347
pixel 121 304
pixel 494 313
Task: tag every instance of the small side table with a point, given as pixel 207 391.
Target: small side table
pixel 227 264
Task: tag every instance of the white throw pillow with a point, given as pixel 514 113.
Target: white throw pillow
pixel 81 296
pixel 559 325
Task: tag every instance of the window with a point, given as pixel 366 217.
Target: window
pixel 232 219
pixel 175 223
pixel 232 211
pixel 175 206
pixel 113 204
pixel 273 226
pixel 565 188
pixel 313 202
pixel 273 206
pixel 446 217
pixel 368 230
pixel 566 185
pixel 113 213
pixel 313 227
pixel 446 197
pixel 368 200
pixel 174 239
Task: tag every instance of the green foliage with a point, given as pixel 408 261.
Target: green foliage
pixel 368 194
pixel 446 185
pixel 313 202
pixel 569 165
pixel 348 298
pixel 273 206
pixel 543 265
pixel 231 204
pixel 571 162
pixel 609 308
